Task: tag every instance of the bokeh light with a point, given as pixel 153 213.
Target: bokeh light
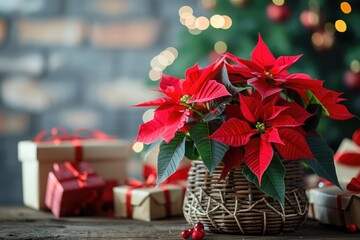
pixel 228 22
pixel 217 21
pixel 355 66
pixel 220 47
pixel 278 2
pixel 148 115
pixel 340 25
pixel 202 23
pixel 345 7
pixel 138 147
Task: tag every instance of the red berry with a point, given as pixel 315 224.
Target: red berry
pixel 185 234
pixel 199 224
pixel 191 230
pixel 198 234
pixel 352 227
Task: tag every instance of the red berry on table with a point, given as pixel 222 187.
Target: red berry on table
pixel 185 234
pixel 352 227
pixel 199 224
pixel 198 234
pixel 191 230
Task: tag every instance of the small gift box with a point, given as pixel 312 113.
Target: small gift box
pixel 347 158
pixel 72 189
pixel 146 202
pixel 106 154
pixel 331 205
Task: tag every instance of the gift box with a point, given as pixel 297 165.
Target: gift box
pixel 347 158
pixel 107 155
pixel 148 203
pixel 331 205
pixel 73 189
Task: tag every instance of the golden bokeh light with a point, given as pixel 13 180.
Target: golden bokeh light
pixel 340 25
pixel 217 21
pixel 154 75
pixel 185 10
pixel 148 115
pixel 220 47
pixel 195 31
pixel 345 7
pixel 202 23
pixel 138 147
pixel 169 56
pixel 228 22
pixel 173 51
pixel 278 2
pixel 355 66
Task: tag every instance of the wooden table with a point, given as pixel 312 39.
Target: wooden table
pixel 25 223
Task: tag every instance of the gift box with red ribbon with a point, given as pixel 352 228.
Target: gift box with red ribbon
pixel 144 201
pixel 347 158
pixel 331 205
pixel 73 189
pixel 106 154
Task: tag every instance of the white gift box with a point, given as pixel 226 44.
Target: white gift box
pixel 148 203
pixel 331 205
pixel 346 172
pixel 107 157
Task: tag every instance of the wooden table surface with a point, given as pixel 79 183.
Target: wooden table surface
pixel 25 223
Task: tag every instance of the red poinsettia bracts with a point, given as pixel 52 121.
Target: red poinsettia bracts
pixel 263 125
pixel 330 100
pixel 183 99
pixel 269 75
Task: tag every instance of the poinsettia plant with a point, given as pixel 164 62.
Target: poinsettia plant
pixel 237 111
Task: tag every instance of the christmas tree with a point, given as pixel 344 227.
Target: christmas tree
pixel 326 32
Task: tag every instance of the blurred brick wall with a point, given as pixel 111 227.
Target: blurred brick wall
pixel 76 63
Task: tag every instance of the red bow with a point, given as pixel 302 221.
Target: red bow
pixel 179 175
pixel 351 158
pixel 58 135
pixel 150 182
pixel 354 184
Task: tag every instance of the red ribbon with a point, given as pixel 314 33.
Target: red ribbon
pixel 180 175
pixel 350 159
pixel 58 135
pixel 354 188
pixel 150 182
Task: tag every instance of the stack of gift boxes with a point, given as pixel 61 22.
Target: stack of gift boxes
pixel 84 173
pixel 332 205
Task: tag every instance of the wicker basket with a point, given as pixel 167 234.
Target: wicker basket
pixel 235 205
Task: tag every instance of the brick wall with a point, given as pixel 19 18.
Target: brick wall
pixel 75 63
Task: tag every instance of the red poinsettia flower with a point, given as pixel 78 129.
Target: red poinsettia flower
pixel 269 75
pixel 261 125
pixel 183 99
pixel 330 100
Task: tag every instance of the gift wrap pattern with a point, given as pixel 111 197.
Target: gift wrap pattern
pixel 148 203
pixel 73 189
pixel 108 158
pixel 331 205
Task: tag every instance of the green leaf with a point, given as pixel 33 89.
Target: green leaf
pixel 151 148
pixel 170 156
pixel 312 122
pixel 211 152
pixel 314 100
pixel 273 183
pixel 323 165
pixel 190 150
pixel 226 82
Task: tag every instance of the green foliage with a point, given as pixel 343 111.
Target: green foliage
pixel 323 165
pixel 211 152
pixel 170 156
pixel 272 180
